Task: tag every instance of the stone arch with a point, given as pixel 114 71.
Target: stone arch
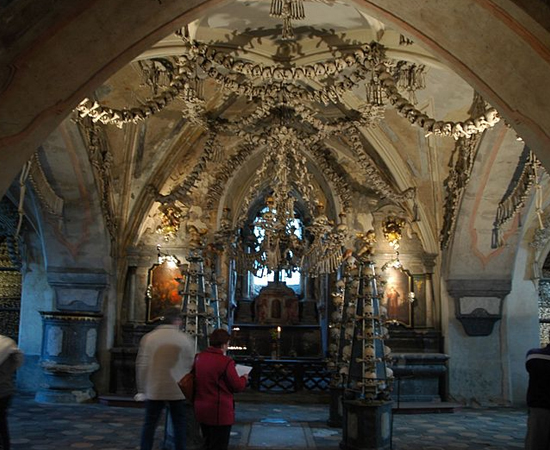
pixel 31 110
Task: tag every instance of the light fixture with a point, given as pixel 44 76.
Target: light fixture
pixel 287 10
pixel 392 229
pixel 170 220
pixel 170 260
pixel 273 242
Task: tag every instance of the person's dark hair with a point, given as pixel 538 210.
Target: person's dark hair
pixel 218 338
pixel 170 316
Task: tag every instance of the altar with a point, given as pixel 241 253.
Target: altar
pixel 281 337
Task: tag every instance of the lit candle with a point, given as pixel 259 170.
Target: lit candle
pixel 278 332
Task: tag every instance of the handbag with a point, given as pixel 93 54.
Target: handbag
pixel 187 385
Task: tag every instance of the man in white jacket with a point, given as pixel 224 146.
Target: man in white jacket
pixel 165 355
pixel 11 359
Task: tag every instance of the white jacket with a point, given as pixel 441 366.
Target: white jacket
pixel 165 355
pixel 11 359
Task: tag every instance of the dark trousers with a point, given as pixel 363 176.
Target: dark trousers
pixel 4 432
pixel 538 429
pixel 216 437
pixel 153 410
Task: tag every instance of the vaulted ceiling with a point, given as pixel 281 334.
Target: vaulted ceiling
pixel 368 114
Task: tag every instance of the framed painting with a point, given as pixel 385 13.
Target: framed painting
pixel 420 311
pixel 163 289
pixel 396 296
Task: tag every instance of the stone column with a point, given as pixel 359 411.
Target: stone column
pixel 430 313
pixel 132 294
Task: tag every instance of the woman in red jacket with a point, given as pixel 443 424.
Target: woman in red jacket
pixel 216 380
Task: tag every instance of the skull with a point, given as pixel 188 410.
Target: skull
pixel 337 299
pixel 369 311
pixel 346 352
pixel 193 288
pixel 370 377
pixel 368 353
pixel 369 333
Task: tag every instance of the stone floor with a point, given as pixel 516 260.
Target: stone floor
pixel 265 425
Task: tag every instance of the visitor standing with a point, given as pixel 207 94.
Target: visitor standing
pixel 216 380
pixel 165 355
pixel 11 359
pixel 538 399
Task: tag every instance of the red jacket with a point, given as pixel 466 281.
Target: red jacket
pixel 216 380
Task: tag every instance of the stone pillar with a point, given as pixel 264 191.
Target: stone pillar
pixel 132 294
pixel 430 310
pixel 366 426
pixel 68 358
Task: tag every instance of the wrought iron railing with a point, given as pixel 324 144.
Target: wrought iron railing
pixel 285 376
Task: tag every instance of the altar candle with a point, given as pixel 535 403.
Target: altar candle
pixel 278 332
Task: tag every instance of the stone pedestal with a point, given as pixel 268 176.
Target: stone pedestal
pixel 68 356
pixel 335 417
pixel 366 426
pixel 194 439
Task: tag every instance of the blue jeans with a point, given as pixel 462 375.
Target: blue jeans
pixel 153 410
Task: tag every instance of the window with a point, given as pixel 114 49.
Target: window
pixel 292 279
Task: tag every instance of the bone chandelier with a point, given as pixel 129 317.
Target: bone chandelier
pixel 300 91
pixel 317 249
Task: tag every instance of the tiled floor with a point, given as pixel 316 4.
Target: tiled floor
pixel 260 426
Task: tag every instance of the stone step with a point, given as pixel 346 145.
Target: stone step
pixel 251 397
pixel 119 400
pixel 425 407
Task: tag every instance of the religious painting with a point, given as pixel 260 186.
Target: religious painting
pixel 420 312
pixel 396 296
pixel 163 289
